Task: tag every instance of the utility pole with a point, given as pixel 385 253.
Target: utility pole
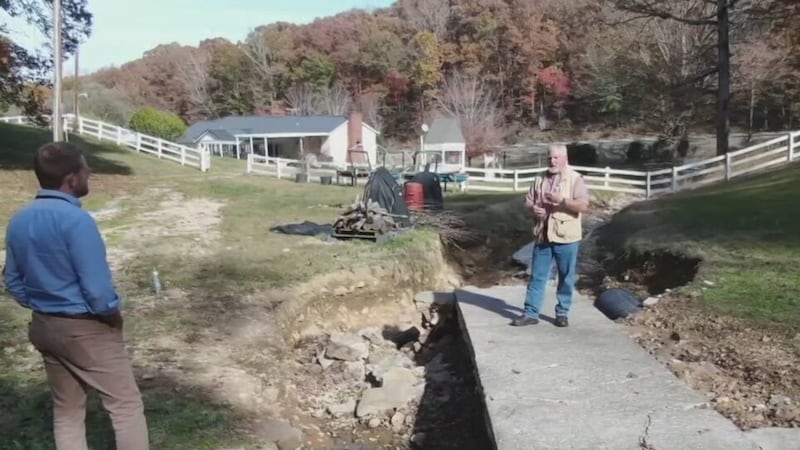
pixel 76 85
pixel 55 117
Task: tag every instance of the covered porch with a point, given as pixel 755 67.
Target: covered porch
pixel 282 145
pixel 443 158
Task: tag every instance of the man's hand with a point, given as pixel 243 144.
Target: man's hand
pixel 554 197
pixel 539 212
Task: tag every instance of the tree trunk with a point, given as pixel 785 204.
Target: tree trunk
pixel 724 77
pixel 752 108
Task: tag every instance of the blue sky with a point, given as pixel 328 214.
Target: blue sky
pixel 123 30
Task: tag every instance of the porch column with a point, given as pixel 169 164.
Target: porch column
pixel 266 148
pixel 302 150
pixel 252 147
pixel 237 148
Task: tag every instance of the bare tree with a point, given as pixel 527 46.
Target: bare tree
pixel 759 61
pixel 428 15
pixel 333 100
pixel 301 99
pixel 466 98
pixel 192 72
pixel 258 53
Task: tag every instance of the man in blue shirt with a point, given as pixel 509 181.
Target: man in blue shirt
pixel 56 267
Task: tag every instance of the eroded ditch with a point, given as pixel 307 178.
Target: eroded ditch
pixel 747 372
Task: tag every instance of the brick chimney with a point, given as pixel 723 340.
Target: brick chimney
pixel 354 138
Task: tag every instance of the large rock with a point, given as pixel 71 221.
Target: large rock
pixel 342 409
pixel 347 347
pixel 398 378
pixel 381 401
pixel 283 434
pixel 386 363
pixel 398 388
pixel 426 299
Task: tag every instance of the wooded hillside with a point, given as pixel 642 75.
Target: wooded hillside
pixel 507 68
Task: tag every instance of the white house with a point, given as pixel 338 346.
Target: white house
pixel 444 143
pixel 338 140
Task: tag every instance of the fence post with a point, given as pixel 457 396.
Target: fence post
pixel 278 167
pixel 728 168
pixel 205 160
pixel 249 164
pixel 80 125
pixel 790 155
pixel 674 179
pixel 647 188
pixel 100 130
pixel 159 149
pixel 607 177
pixel 138 142
pixel 516 180
pixel 183 157
pixel 119 135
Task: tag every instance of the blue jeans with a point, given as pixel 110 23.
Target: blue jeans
pixel 566 258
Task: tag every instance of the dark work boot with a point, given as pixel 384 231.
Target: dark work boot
pixel 524 320
pixel 561 321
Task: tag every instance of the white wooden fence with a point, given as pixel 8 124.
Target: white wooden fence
pixel 289 168
pixel 774 152
pixel 768 154
pixel 141 143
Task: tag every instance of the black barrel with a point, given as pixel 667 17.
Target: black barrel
pixel 617 303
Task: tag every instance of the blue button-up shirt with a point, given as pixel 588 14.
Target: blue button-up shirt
pixel 56 258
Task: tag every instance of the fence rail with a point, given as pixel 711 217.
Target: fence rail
pixel 768 154
pixel 141 143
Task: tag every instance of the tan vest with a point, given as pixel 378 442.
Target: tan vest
pixel 563 226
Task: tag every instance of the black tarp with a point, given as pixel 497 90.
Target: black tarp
pixel 303 229
pixel 431 189
pixel 383 189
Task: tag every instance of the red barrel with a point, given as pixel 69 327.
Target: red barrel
pixel 415 198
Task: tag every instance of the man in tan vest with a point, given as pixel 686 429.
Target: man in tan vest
pixel 556 199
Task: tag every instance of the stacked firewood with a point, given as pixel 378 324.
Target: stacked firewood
pixel 366 217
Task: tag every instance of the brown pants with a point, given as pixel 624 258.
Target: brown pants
pixel 85 353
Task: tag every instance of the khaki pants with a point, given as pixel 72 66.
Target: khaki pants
pixel 83 353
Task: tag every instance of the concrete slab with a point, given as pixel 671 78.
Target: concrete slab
pixel 588 386
pixel 776 438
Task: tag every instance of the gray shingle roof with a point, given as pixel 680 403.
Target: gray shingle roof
pixel 444 130
pixel 232 125
pixel 221 135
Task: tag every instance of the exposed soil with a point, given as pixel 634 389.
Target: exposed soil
pixel 748 373
pixel 261 353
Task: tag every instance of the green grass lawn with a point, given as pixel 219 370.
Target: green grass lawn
pixel 215 277
pixel 747 233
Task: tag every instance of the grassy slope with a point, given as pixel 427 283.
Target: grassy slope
pixel 748 234
pixel 250 259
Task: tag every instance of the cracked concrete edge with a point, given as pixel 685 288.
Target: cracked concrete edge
pixel 462 326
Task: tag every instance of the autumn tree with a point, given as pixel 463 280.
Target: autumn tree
pixel 19 68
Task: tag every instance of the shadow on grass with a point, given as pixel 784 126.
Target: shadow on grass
pixel 179 417
pixel 18 144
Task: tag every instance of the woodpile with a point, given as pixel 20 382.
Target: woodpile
pixel 365 217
